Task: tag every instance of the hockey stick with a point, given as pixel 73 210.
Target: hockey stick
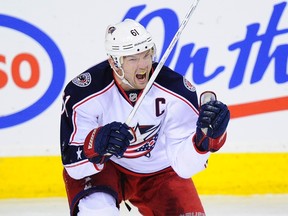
pixel 162 61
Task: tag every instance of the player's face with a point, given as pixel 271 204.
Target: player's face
pixel 137 68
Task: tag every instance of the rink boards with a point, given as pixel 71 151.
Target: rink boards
pixel 233 174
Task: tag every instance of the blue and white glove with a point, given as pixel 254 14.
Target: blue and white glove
pixel 214 117
pixel 104 142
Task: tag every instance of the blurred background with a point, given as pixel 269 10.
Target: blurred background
pixel 237 49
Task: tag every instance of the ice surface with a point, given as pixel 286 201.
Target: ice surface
pixel 263 205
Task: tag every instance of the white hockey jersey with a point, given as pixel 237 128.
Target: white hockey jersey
pixel 164 123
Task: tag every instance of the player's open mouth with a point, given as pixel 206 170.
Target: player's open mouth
pixel 141 76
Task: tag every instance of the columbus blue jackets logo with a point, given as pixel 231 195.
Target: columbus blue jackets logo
pixel 82 80
pixel 144 143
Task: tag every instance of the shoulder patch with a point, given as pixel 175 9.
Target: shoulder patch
pixel 188 85
pixel 82 80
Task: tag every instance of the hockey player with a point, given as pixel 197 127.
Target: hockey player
pixel 150 161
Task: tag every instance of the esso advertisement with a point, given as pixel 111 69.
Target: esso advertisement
pixel 237 49
pixel 32 71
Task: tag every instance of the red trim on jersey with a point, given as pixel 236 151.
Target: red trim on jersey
pixel 178 96
pixel 123 92
pixel 80 103
pixel 77 164
pixel 76 143
pixel 84 162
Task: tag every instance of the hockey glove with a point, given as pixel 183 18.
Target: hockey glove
pixel 103 142
pixel 214 116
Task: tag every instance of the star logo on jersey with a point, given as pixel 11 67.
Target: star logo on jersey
pixel 79 151
pixel 145 141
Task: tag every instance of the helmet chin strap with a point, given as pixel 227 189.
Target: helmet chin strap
pixel 123 79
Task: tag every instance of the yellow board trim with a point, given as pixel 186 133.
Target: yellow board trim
pixel 231 174
pixel 27 177
pixel 244 174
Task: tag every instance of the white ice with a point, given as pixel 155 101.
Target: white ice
pixel 263 205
